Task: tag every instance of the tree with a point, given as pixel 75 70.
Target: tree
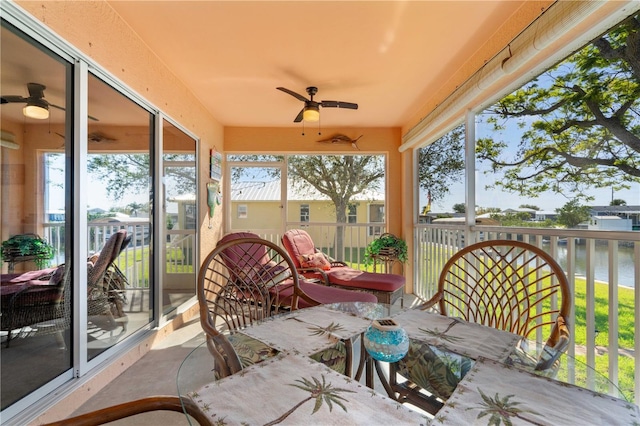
pixel 580 122
pixel 618 202
pixel 459 208
pixel 442 163
pixel 572 214
pixel 529 206
pixel 131 173
pixel 339 177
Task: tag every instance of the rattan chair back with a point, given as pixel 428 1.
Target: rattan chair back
pixel 242 281
pixel 509 285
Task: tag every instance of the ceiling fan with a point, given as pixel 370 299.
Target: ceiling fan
pixel 311 109
pixel 37 106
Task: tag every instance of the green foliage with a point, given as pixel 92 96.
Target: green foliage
pixel 130 173
pixel 520 219
pixel 441 163
pixel 579 121
pixel 572 214
pixel 386 245
pixel 618 202
pixel 460 208
pixel 529 206
pixel 27 245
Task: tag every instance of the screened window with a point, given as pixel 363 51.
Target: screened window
pixel 242 211
pixel 304 213
pixel 376 214
pixel 352 213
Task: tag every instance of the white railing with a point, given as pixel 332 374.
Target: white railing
pixel 589 258
pixel 134 261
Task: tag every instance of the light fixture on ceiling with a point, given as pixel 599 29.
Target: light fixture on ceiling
pixel 311 112
pixel 36 108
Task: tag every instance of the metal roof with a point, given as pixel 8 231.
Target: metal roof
pixel 270 191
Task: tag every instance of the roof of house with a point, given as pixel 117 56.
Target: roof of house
pixel 270 191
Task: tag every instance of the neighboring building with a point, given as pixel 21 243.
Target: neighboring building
pixel 624 212
pixel 543 215
pixel 609 223
pixel 253 202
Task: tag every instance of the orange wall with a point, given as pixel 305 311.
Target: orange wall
pixel 95 29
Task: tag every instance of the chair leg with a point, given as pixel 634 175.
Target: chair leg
pixel 8 338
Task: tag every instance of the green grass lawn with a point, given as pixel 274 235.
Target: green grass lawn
pixel 626 315
pixel 625 330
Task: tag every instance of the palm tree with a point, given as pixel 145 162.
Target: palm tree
pixel 502 409
pixel 330 329
pixel 320 392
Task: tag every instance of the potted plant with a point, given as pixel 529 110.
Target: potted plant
pixel 386 248
pixel 27 247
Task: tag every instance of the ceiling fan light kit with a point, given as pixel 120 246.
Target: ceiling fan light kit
pixel 36 108
pixel 311 109
pixel 311 113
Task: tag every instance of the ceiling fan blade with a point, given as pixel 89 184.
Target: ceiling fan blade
pixel 8 99
pixel 62 109
pixel 36 90
pixel 299 116
pixel 292 93
pixel 339 104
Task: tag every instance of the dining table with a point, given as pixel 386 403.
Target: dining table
pixel 291 387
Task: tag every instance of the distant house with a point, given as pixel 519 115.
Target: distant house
pixel 252 204
pixel 530 212
pixel 624 212
pixel 609 223
pixel 543 215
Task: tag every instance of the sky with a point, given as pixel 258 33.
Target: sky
pixel 97 197
pixel 546 202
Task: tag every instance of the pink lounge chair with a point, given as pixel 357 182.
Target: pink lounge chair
pixel 313 264
pixel 251 256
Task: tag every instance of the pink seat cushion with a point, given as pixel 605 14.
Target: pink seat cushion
pixel 350 277
pixel 324 294
pixel 27 276
pixel 298 243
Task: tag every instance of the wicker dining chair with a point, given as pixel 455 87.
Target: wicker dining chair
pixel 132 408
pixel 504 284
pixel 247 279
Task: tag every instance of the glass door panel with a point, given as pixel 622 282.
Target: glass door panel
pixel 119 169
pixel 35 217
pixel 180 218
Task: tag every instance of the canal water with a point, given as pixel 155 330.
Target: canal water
pixel 625 263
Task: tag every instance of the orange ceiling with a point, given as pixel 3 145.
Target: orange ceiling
pixel 394 58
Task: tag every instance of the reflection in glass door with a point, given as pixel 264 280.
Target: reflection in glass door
pixel 180 258
pixel 35 217
pixel 119 281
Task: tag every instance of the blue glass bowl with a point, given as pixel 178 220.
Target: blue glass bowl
pixel 386 341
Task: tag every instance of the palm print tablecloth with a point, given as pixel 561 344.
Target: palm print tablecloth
pixel 454 335
pixel 308 331
pixel 495 394
pixel 291 389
